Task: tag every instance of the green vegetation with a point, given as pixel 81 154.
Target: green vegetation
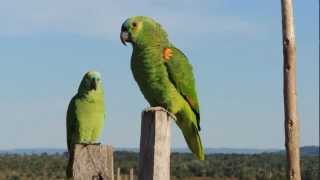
pixel 183 166
pixel 44 166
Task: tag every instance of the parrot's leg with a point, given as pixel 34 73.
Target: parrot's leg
pixel 159 108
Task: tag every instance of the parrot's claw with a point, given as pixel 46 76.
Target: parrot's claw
pixel 159 108
pixel 172 116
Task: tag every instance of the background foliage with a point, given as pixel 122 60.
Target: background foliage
pixel 269 166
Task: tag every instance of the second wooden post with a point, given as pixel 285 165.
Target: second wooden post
pixel 155 142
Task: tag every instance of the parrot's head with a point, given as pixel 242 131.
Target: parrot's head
pixel 91 81
pixel 142 30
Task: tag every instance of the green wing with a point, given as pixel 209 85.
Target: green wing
pixel 71 123
pixel 181 75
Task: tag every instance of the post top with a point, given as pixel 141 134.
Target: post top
pixel 159 108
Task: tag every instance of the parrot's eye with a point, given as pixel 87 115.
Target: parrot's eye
pixel 134 24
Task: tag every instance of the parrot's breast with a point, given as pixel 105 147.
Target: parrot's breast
pixel 152 77
pixel 90 119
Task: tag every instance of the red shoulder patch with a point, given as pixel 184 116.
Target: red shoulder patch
pixel 167 54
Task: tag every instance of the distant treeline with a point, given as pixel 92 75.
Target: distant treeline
pixel 183 166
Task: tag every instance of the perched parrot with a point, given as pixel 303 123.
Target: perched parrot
pixel 86 113
pixel 164 76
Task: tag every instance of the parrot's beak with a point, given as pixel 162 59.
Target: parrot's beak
pixel 94 85
pixel 124 36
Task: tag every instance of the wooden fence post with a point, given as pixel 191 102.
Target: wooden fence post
pixel 131 174
pixel 155 141
pixel 93 162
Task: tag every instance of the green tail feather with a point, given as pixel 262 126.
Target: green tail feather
pixel 191 135
pixel 194 142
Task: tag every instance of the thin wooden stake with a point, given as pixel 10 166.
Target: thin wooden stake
pixel 131 174
pixel 118 174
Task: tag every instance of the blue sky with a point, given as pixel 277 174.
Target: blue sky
pixel 234 47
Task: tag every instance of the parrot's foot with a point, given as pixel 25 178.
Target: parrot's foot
pixel 88 143
pixel 159 108
pixel 153 109
pixel 172 116
pixel 97 143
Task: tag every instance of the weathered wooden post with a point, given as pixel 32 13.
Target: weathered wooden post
pixel 292 132
pixel 155 141
pixel 92 162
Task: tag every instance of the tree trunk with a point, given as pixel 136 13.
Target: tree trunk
pixel 291 123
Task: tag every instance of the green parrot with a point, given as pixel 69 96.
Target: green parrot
pixel 85 114
pixel 164 76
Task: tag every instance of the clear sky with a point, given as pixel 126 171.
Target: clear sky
pixel 234 47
